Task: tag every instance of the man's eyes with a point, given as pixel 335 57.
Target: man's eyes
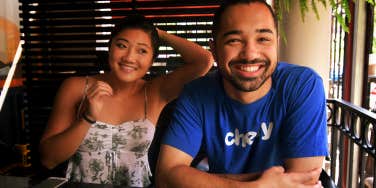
pixel 260 39
pixel 264 39
pixel 232 41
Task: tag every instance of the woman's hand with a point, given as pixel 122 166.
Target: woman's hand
pixel 95 96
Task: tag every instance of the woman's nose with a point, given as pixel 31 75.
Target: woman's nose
pixel 129 56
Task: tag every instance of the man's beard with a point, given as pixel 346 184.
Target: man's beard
pixel 248 84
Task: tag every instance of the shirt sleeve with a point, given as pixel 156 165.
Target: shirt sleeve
pixel 185 129
pixel 304 131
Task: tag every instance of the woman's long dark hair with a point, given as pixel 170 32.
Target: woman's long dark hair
pixel 137 21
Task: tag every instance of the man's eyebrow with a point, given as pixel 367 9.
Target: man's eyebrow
pixel 237 32
pixel 264 31
pixel 233 32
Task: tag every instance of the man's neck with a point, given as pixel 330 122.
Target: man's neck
pixel 247 97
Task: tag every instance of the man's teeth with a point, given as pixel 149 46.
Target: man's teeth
pixel 249 68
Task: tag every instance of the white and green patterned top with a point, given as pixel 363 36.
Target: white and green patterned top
pixel 114 154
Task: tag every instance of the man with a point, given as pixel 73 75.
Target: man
pixel 252 117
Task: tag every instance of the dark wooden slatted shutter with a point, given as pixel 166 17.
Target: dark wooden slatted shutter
pixel 69 38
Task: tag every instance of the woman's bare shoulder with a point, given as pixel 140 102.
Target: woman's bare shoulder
pixel 162 89
pixel 153 86
pixel 74 84
pixel 155 100
pixel 79 80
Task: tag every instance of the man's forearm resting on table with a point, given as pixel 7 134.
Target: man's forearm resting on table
pixel 185 176
pixel 275 177
pixel 240 177
pixel 173 170
pixel 305 164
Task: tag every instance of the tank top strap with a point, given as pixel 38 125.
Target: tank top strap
pixel 145 103
pixel 83 97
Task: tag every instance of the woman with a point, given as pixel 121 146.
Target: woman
pixel 105 123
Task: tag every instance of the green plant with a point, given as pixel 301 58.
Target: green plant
pixel 340 9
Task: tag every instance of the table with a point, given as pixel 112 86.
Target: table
pixel 26 182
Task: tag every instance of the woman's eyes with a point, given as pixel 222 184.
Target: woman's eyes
pixel 120 45
pixel 140 51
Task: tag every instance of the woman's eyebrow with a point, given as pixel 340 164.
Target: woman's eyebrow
pixel 122 39
pixel 139 43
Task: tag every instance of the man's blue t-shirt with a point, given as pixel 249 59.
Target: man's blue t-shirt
pixel 288 122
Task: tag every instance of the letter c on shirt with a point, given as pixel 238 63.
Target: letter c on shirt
pixel 229 139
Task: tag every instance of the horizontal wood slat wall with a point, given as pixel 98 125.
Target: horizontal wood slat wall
pixel 69 38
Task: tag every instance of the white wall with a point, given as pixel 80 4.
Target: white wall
pixel 9 29
pixel 308 42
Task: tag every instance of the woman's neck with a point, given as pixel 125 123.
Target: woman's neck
pixel 120 87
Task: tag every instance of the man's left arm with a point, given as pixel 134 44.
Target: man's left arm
pixel 305 133
pixel 304 165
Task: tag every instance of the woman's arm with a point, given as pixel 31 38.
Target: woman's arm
pixel 63 133
pixel 197 62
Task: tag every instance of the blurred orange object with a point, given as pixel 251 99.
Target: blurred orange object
pixel 371 69
pixel 15 82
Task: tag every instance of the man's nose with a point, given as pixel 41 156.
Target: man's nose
pixel 249 51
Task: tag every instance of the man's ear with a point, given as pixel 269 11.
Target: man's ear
pixel 212 49
pixel 278 47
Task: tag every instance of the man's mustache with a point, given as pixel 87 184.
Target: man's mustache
pixel 254 61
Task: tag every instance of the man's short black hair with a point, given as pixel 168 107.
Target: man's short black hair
pixel 227 3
